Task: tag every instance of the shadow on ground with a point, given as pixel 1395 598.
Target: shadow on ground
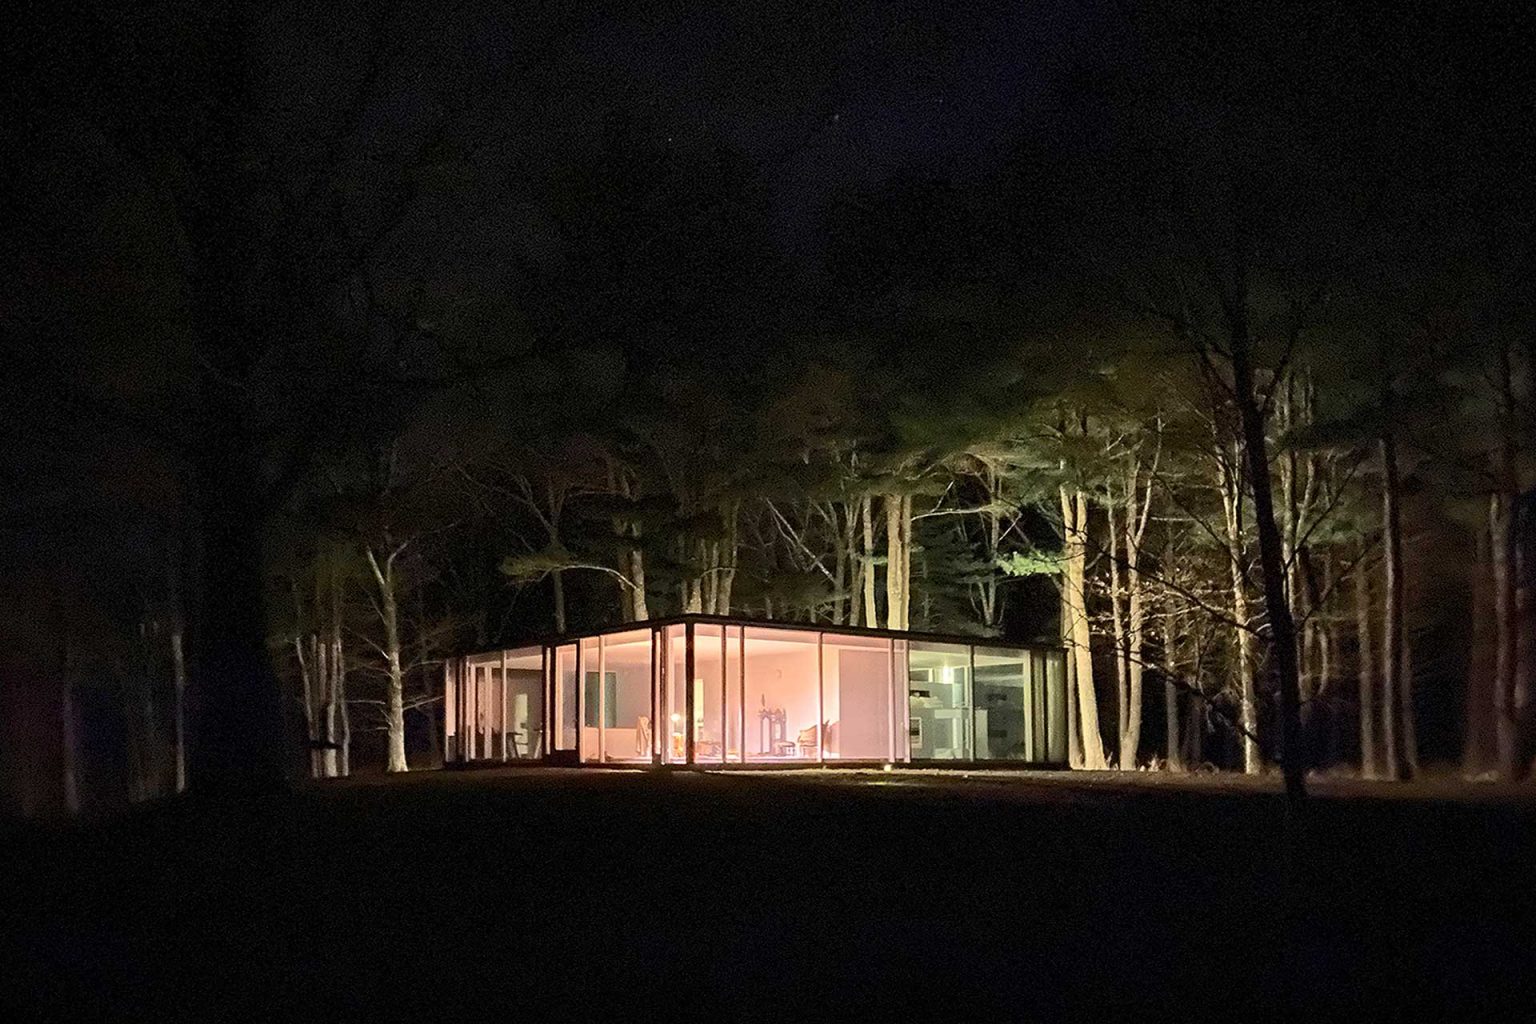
pixel 548 894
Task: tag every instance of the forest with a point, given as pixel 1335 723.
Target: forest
pixel 344 341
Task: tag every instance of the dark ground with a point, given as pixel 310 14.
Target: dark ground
pixel 548 894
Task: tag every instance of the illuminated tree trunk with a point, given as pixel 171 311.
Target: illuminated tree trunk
pixel 898 560
pixel 1130 637
pixel 308 668
pixel 1282 627
pixel 335 691
pixel 1248 705
pixel 394 705
pixel 557 584
pixel 1170 691
pixel 1118 633
pixel 1074 516
pixel 867 521
pixel 639 611
pixel 1370 755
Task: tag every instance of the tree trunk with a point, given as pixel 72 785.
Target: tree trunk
pixel 1170 691
pixel 1066 616
pixel 334 706
pixel 309 667
pixel 639 611
pixel 1248 704
pixel 237 743
pixel 557 582
pixel 1282 628
pixel 1137 513
pixel 1074 509
pixel 1506 633
pixel 729 553
pixel 867 519
pixel 395 713
pixel 1194 733
pixel 1118 633
pixel 394 710
pixel 344 760
pixel 179 685
pixel 1392 609
pixel 1370 756
pixel 898 550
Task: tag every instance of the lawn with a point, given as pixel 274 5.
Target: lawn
pixel 550 894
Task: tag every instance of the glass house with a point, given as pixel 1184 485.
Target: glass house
pixel 710 691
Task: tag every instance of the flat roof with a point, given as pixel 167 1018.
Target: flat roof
pixel 700 618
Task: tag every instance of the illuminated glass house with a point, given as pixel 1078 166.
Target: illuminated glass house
pixel 761 693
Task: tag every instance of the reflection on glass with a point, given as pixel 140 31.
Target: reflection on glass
pixel 1007 704
pixel 938 682
pixel 1055 717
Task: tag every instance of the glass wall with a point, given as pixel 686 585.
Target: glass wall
pixel 565 697
pixel 1055 715
pixel 741 694
pixel 939 693
pixel 708 694
pixel 596 686
pixel 735 707
pixel 859 696
pixel 1008 696
pixel 522 702
pixel 674 695
pixel 626 696
pixel 782 695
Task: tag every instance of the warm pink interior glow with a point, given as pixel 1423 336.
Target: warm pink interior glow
pixel 756 695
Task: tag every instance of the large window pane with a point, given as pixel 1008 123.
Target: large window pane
pixel 596 688
pixel 1056 706
pixel 708 694
pixel 856 698
pixel 476 712
pixel 1007 710
pixel 939 683
pixel 783 701
pixel 565 696
pixel 626 698
pixel 674 692
pixel 520 704
pixel 735 719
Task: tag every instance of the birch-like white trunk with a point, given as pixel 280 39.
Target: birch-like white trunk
pixel 394 707
pixel 867 522
pixel 898 560
pixel 1074 515
pixel 1248 703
